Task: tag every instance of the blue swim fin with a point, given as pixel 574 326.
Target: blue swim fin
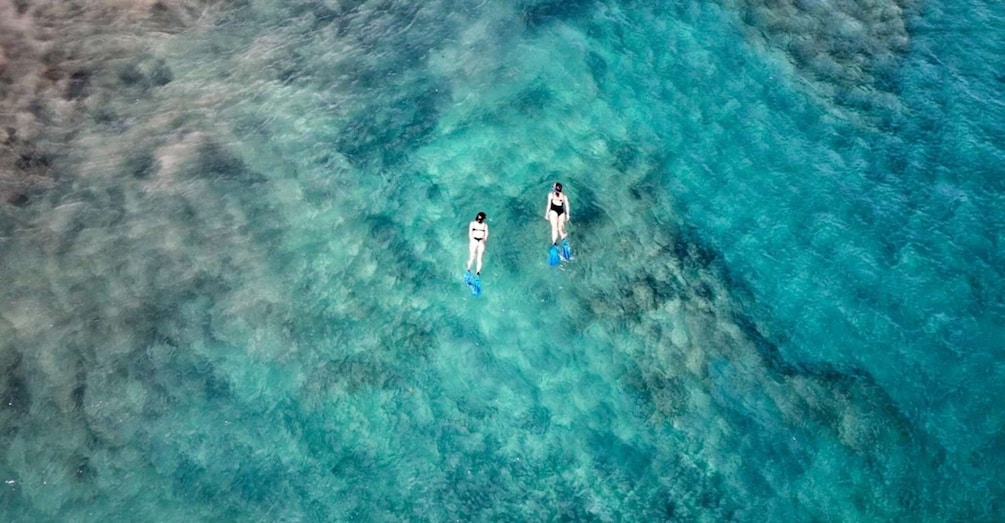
pixel 553 258
pixel 566 250
pixel 476 286
pixel 467 277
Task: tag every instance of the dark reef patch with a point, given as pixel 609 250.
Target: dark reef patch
pixel 145 72
pixel 79 392
pixel 18 199
pixel 539 14
pixel 165 18
pixel 352 374
pixel 533 100
pixel 82 469
pixel 586 211
pixel 611 453
pixel 193 481
pixel 385 136
pixel 845 44
pixel 626 155
pixel 77 86
pixel 141 166
pixel 15 396
pixel 598 68
pixel 695 254
pixel 537 420
pixel 217 163
pixel 29 157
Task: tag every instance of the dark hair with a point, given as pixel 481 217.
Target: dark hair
pixel 558 187
pixel 480 217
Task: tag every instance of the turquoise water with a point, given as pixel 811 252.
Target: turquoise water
pixel 233 239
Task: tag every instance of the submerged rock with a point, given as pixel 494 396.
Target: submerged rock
pixel 848 44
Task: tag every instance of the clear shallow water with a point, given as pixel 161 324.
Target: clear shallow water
pixel 234 237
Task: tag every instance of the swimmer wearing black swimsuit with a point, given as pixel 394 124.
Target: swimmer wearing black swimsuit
pixel 478 233
pixel 557 212
pixel 558 204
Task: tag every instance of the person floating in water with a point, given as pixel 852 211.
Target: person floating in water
pixel 556 211
pixel 478 233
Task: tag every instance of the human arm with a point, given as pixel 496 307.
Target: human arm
pixel 568 208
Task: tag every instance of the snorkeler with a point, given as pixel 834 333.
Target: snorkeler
pixel 478 232
pixel 556 211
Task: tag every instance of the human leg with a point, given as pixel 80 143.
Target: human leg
pixel 480 251
pixel 472 251
pixel 554 219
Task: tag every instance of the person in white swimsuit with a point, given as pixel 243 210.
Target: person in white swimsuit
pixel 478 233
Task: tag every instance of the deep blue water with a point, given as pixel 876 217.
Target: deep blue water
pixel 232 241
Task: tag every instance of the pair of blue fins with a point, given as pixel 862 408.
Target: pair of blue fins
pixel 475 282
pixel 556 254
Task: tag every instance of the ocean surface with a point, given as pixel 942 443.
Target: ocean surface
pixel 233 235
